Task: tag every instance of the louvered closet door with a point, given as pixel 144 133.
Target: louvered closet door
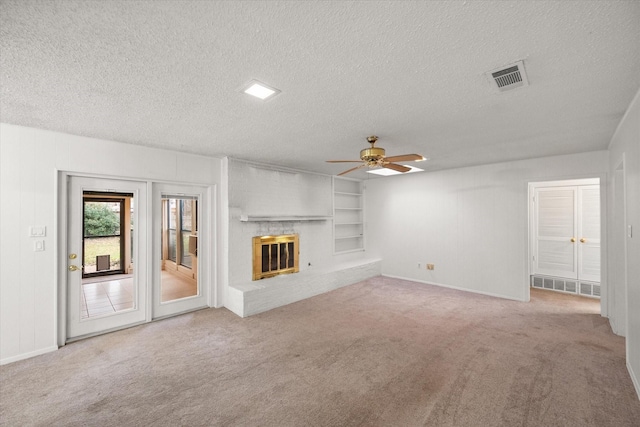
pixel 555 254
pixel 589 233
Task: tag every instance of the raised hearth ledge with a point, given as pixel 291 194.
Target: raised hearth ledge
pixel 246 299
pixel 282 218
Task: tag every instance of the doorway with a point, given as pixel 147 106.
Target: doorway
pixel 565 221
pixel 126 261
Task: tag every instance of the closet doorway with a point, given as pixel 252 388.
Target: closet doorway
pixel 565 220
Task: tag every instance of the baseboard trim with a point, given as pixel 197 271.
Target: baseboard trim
pixel 23 356
pixel 473 291
pixel 634 379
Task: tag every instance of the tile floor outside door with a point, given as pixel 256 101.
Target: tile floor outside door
pixel 115 293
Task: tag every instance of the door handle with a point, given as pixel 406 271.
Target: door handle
pixel 573 240
pixel 583 240
pixel 74 268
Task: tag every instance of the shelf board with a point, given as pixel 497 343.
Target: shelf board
pixel 348 223
pixel 347 194
pixel 358 236
pixel 283 218
pixel 349 251
pixel 348 209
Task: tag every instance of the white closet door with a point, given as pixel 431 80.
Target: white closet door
pixel 589 233
pixel 555 252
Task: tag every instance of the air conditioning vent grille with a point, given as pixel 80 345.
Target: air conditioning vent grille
pixel 509 77
pixel 588 289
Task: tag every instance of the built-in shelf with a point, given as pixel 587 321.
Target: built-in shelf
pixel 282 218
pixel 348 226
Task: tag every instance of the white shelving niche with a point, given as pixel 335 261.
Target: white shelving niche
pixel 348 218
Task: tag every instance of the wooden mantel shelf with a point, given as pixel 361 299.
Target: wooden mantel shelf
pixel 282 218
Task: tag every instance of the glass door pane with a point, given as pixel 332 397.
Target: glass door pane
pixel 179 275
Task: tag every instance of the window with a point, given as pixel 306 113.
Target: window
pixel 181 225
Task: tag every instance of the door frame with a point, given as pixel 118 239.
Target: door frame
pixel 619 207
pixel 591 179
pixel 61 216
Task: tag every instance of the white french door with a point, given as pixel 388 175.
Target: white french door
pixel 180 248
pixel 566 229
pixel 79 323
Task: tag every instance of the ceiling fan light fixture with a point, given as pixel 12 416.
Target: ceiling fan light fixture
pixel 388 172
pixel 374 157
pixel 260 90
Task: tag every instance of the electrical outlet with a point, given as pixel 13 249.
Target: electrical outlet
pixel 419 265
pixel 431 267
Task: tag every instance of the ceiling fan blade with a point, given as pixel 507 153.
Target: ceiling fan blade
pixel 398 168
pixel 404 158
pixel 343 161
pixel 352 169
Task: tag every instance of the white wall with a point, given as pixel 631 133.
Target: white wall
pixel 271 191
pixel 626 144
pixel 29 161
pixel 470 222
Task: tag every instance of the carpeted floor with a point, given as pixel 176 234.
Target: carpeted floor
pixel 383 352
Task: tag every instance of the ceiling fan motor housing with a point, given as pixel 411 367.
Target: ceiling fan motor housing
pixel 372 154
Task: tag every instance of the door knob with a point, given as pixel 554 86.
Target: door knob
pixel 573 239
pixel 73 268
pixel 583 240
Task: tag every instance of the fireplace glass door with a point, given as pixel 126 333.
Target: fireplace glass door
pixel 274 255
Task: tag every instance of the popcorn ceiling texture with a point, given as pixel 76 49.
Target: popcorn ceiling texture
pixel 167 74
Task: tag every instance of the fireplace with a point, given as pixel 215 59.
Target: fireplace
pixel 274 255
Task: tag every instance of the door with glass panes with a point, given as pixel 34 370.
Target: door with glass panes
pixel 180 223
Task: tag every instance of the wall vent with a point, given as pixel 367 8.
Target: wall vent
pixel 588 289
pixel 510 77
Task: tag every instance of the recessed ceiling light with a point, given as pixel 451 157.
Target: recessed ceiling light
pixel 260 90
pixel 387 172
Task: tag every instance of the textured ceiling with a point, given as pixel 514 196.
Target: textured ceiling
pixel 167 74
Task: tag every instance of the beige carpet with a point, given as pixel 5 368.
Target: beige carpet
pixel 383 352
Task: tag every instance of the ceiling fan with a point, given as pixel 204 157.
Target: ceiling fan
pixel 374 156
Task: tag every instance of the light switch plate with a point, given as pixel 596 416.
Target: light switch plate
pixel 38 246
pixel 37 231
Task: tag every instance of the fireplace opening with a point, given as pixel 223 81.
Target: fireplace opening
pixel 274 255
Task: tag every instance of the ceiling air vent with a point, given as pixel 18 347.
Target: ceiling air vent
pixel 509 77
